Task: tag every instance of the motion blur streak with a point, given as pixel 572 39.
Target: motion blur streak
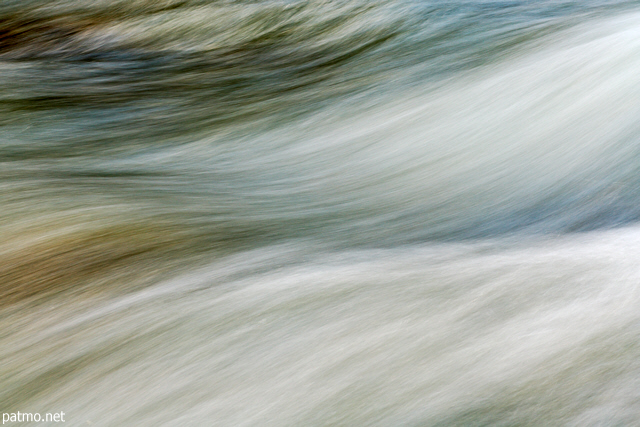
pixel 315 212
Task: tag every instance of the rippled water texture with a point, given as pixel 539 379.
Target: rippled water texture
pixel 301 213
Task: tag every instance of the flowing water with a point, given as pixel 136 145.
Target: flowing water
pixel 316 212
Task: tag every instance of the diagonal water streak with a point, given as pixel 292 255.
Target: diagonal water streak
pixel 452 334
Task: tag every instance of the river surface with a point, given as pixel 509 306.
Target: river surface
pixel 320 213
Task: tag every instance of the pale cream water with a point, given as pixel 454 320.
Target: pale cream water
pixel 452 334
